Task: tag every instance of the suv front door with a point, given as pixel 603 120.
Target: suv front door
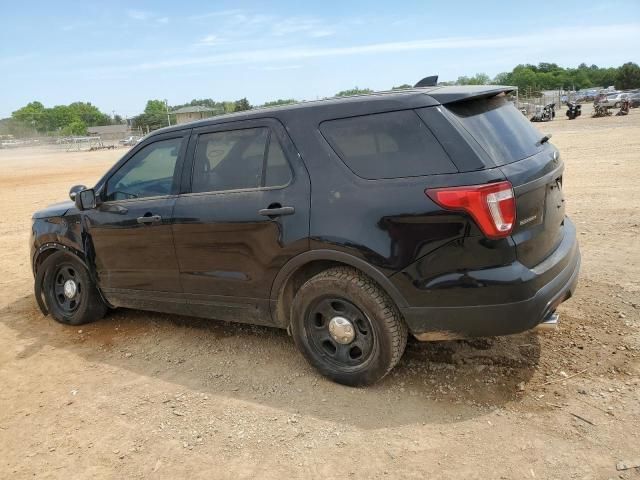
pixel 131 231
pixel 245 214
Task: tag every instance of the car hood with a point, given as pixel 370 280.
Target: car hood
pixel 55 210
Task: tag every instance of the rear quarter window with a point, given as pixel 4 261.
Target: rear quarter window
pixel 387 145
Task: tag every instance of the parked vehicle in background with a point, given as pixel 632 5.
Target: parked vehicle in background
pixel 130 141
pixel 545 114
pixel 574 110
pixel 586 95
pixel 349 222
pixel 634 100
pixel 613 100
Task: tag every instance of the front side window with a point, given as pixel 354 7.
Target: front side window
pixel 239 159
pixel 149 173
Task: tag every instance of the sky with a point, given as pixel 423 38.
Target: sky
pixel 118 54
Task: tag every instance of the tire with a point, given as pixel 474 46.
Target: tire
pixel 77 304
pixel 374 324
pixel 616 105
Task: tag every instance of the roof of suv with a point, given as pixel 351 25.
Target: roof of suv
pixel 436 95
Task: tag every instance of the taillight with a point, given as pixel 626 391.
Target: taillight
pixel 492 206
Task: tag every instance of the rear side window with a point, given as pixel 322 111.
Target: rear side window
pixel 500 129
pixel 239 159
pixel 387 145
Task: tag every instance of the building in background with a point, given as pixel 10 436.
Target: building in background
pixel 189 114
pixel 110 132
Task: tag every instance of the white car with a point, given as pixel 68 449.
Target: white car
pixel 130 141
pixel 614 100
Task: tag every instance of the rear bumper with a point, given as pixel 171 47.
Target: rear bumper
pixel 450 322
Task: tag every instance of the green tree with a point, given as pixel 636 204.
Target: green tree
pixel 404 86
pixel 153 117
pixel 89 114
pixel 503 78
pixel 60 117
pixel 525 78
pixel 32 114
pixel 11 126
pixel 628 76
pixel 229 107
pixel 354 91
pixel 477 79
pixel 77 127
pixel 242 105
pixel 280 101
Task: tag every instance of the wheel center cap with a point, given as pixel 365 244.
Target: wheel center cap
pixel 341 330
pixel 70 289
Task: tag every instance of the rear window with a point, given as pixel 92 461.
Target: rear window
pixel 500 129
pixel 387 145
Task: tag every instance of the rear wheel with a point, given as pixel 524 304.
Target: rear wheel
pixel 347 327
pixel 71 296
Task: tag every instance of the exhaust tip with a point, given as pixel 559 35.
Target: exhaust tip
pixel 550 322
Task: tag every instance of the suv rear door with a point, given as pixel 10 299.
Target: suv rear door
pixel 243 213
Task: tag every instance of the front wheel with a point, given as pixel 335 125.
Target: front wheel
pixel 347 327
pixel 71 297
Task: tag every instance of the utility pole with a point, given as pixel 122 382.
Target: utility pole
pixel 166 104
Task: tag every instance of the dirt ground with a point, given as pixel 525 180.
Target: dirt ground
pixel 143 395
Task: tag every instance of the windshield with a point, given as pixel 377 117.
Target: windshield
pixel 501 130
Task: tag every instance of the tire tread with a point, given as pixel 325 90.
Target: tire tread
pixel 394 323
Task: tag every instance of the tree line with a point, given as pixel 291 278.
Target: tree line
pixel 74 119
pixel 550 76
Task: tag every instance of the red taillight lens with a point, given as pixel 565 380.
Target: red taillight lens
pixel 492 206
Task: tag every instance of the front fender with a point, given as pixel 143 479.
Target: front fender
pixel 56 233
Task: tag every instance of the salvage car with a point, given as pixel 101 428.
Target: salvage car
pixel 350 222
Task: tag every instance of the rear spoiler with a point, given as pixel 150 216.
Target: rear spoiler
pixel 467 92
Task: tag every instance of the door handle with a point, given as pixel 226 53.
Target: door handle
pixel 150 219
pixel 276 211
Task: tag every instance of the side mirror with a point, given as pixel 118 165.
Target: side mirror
pixel 74 191
pixel 86 199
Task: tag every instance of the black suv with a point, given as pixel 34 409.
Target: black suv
pixel 438 211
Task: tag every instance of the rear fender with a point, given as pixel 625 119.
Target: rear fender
pixel 336 257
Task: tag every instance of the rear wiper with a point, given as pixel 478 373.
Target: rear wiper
pixel 544 139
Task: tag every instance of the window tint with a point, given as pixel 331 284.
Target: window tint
pixel 278 172
pixel 387 145
pixel 229 160
pixel 500 129
pixel 148 173
pixel 234 160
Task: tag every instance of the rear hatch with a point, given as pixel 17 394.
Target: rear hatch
pixel 533 167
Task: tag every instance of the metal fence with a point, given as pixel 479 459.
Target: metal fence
pixel 529 103
pixel 72 143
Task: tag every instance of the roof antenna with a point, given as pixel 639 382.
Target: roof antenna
pixel 431 81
